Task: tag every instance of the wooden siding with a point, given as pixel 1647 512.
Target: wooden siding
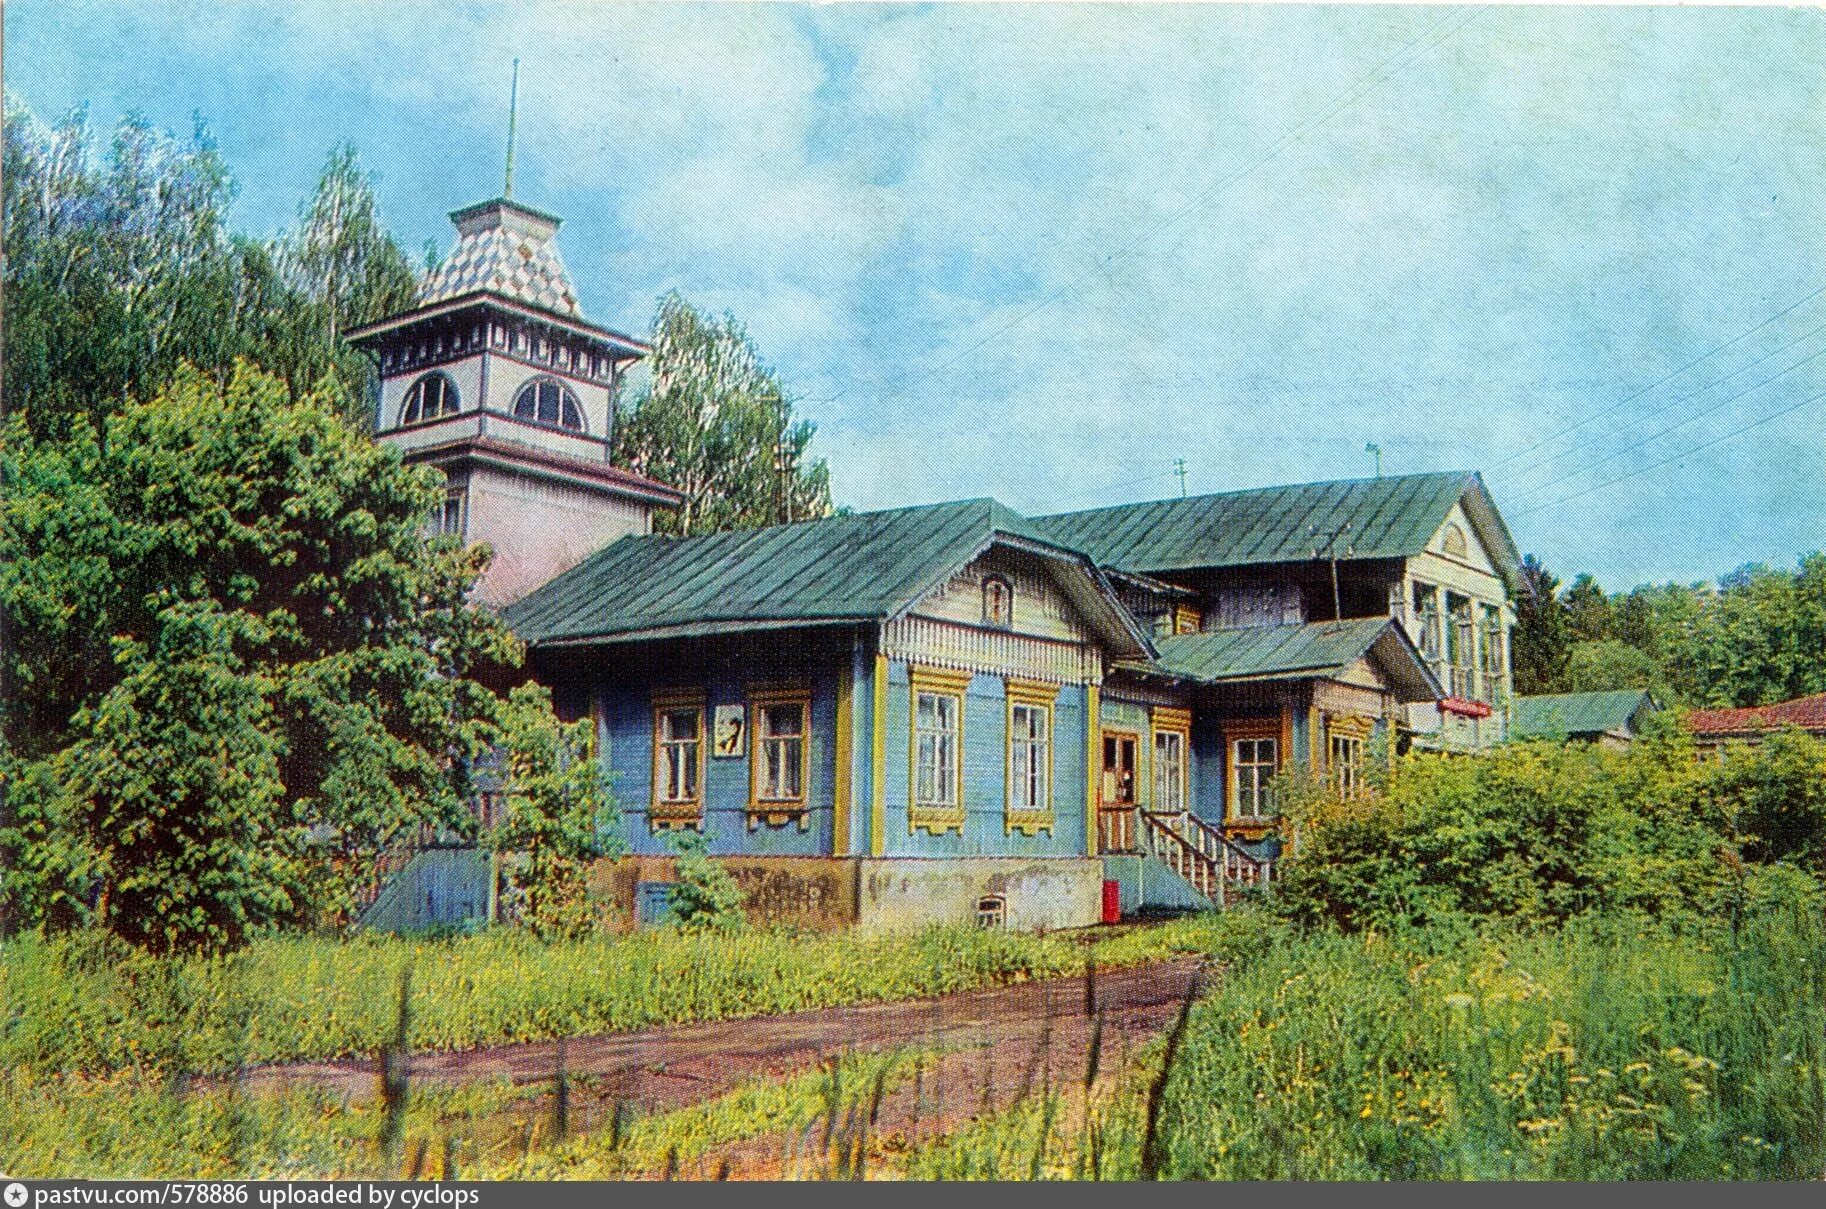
pixel 934 643
pixel 1040 609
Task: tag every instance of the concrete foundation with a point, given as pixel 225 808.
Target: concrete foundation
pixel 902 895
pixel 800 891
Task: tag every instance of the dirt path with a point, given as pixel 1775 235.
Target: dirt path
pixel 995 1028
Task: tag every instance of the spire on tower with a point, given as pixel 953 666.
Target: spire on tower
pixel 513 114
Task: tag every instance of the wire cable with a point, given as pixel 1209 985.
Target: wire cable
pixel 1700 415
pixel 1709 353
pixel 1772 416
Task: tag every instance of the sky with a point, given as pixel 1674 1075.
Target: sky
pixel 1043 252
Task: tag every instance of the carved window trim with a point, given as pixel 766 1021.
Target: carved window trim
pixel 936 816
pixel 1019 816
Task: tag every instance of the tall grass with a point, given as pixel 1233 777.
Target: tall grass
pixel 81 1004
pixel 1606 1049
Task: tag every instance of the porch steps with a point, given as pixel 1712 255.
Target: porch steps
pixel 1177 862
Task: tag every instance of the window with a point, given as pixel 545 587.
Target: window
pixel 549 401
pixel 430 397
pixel 1432 622
pixel 1346 763
pixel 779 769
pixel 936 726
pixel 1169 771
pixel 1493 650
pixel 1030 758
pixel 450 515
pixel 1453 542
pixel 1253 764
pixel 1463 647
pixel 998 602
pixel 992 911
pixel 678 760
pixel 935 790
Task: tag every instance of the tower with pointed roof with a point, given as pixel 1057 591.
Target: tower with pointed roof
pixel 496 378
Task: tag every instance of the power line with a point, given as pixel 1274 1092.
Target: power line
pixel 1635 445
pixel 1349 97
pixel 1709 353
pixel 1692 394
pixel 1772 416
pixel 1699 415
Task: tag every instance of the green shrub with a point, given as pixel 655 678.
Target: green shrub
pixel 706 896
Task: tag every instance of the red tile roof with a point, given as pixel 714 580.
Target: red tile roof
pixel 1808 713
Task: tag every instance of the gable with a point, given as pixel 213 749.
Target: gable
pixel 1457 541
pixel 1040 609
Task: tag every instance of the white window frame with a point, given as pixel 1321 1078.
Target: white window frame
pixel 1261 795
pixel 946 738
pixel 1170 773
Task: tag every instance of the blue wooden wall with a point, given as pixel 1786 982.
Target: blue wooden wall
pixel 625 733
pixel 985 771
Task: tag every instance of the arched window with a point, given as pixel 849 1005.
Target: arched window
pixel 1453 543
pixel 998 602
pixel 428 398
pixel 549 401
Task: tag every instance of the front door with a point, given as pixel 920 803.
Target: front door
pixel 1116 818
pixel 1118 770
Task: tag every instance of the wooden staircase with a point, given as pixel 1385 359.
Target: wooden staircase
pixel 1214 866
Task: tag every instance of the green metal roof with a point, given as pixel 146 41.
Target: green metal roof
pixel 861 568
pixel 1570 714
pixel 1388 518
pixel 1315 650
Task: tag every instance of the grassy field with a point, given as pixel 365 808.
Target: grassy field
pixel 1602 1049
pixel 1599 1050
pixel 76 1005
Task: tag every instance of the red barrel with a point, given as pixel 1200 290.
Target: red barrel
pixel 1112 902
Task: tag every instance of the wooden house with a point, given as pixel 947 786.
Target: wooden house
pixel 1609 719
pixel 1718 730
pixel 948 713
pixel 1430 551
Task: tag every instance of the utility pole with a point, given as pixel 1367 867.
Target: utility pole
pixel 1179 468
pixel 783 469
pixel 1330 554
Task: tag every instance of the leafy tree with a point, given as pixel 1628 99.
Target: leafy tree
pixel 1597 666
pixel 1587 609
pixel 706 896
pixel 1539 643
pixel 557 815
pixel 274 560
pixel 715 423
pixel 120 267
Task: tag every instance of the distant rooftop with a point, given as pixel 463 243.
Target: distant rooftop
pixel 1390 517
pixel 1579 715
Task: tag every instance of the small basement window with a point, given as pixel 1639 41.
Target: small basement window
pixel 992 911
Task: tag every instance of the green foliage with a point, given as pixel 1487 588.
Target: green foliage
pixel 715 423
pixel 236 670
pixel 120 268
pixel 1757 637
pixel 1774 796
pixel 1606 1049
pixel 557 814
pixel 1538 643
pixel 89 1003
pixel 706 896
pixel 1593 667
pixel 1535 830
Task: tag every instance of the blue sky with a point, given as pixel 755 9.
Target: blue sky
pixel 1040 252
